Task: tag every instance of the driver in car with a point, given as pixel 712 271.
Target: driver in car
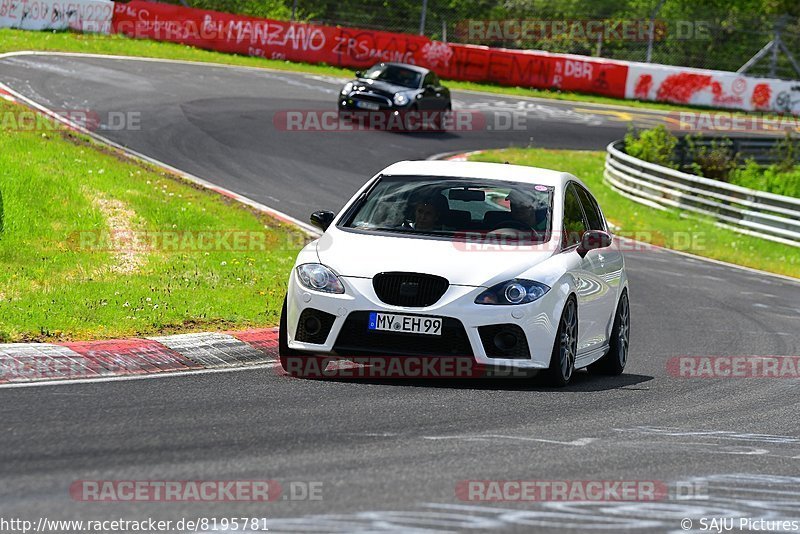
pixel 429 212
pixel 525 210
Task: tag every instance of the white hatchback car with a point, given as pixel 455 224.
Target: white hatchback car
pixel 508 265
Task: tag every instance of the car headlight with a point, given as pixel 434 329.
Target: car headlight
pixel 513 292
pixel 347 88
pixel 319 278
pixel 400 99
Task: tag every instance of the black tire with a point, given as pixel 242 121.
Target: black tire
pixel 439 122
pixel 613 363
pixel 565 347
pixel 294 362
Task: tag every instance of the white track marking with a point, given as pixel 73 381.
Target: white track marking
pixel 126 378
pixel 581 442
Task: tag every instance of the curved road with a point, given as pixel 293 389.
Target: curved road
pixel 389 455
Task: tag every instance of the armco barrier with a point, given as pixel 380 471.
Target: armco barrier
pixel 79 15
pixel 765 215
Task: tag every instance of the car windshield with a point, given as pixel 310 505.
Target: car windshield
pixel 395 75
pixel 453 207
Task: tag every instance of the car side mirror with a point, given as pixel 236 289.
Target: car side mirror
pixel 359 74
pixel 592 240
pixel 322 219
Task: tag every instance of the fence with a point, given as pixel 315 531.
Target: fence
pixel 354 47
pixel 748 211
pixel 702 35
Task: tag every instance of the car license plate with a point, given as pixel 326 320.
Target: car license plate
pixel 408 324
pixel 367 105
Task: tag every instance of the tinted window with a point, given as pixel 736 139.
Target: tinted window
pixel 451 206
pixel 395 75
pixel 593 215
pixel 574 225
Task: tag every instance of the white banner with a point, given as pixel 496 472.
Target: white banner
pixel 80 15
pixel 719 89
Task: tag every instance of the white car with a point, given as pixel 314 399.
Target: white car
pixel 509 266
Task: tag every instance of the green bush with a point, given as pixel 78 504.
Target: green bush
pixel 716 161
pixel 787 153
pixel 656 145
pixel 770 179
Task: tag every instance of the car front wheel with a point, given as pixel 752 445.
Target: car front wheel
pixel 565 348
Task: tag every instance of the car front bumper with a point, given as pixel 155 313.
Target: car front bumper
pixel 538 320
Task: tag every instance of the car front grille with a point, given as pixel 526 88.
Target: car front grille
pixel 371 97
pixel 355 339
pixel 409 289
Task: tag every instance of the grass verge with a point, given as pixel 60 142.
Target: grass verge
pixel 663 228
pixel 16 40
pixel 96 246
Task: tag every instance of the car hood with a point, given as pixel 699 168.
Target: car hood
pixel 462 263
pixel 381 87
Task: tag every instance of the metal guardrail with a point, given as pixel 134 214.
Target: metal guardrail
pixel 760 149
pixel 765 215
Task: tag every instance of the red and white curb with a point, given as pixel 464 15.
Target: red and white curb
pixel 47 363
pixel 5 95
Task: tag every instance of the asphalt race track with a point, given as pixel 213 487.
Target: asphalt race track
pixel 390 454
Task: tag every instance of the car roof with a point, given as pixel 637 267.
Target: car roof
pixel 486 171
pixel 408 66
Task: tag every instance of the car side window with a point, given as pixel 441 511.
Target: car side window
pixel 574 223
pixel 429 80
pixel 593 215
pixel 435 80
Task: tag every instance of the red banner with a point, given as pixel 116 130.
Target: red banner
pixel 355 48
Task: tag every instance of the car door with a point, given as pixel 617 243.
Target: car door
pixel 441 93
pixel 572 230
pixel 432 96
pixel 591 313
pixel 602 269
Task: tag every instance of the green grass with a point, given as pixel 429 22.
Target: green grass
pixel 15 40
pixel 57 286
pixel 664 228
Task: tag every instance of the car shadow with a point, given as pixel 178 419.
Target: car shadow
pixel 581 381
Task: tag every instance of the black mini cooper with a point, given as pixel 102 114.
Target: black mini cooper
pixel 395 87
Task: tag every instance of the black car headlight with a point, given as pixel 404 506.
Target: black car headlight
pixel 513 292
pixel 317 277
